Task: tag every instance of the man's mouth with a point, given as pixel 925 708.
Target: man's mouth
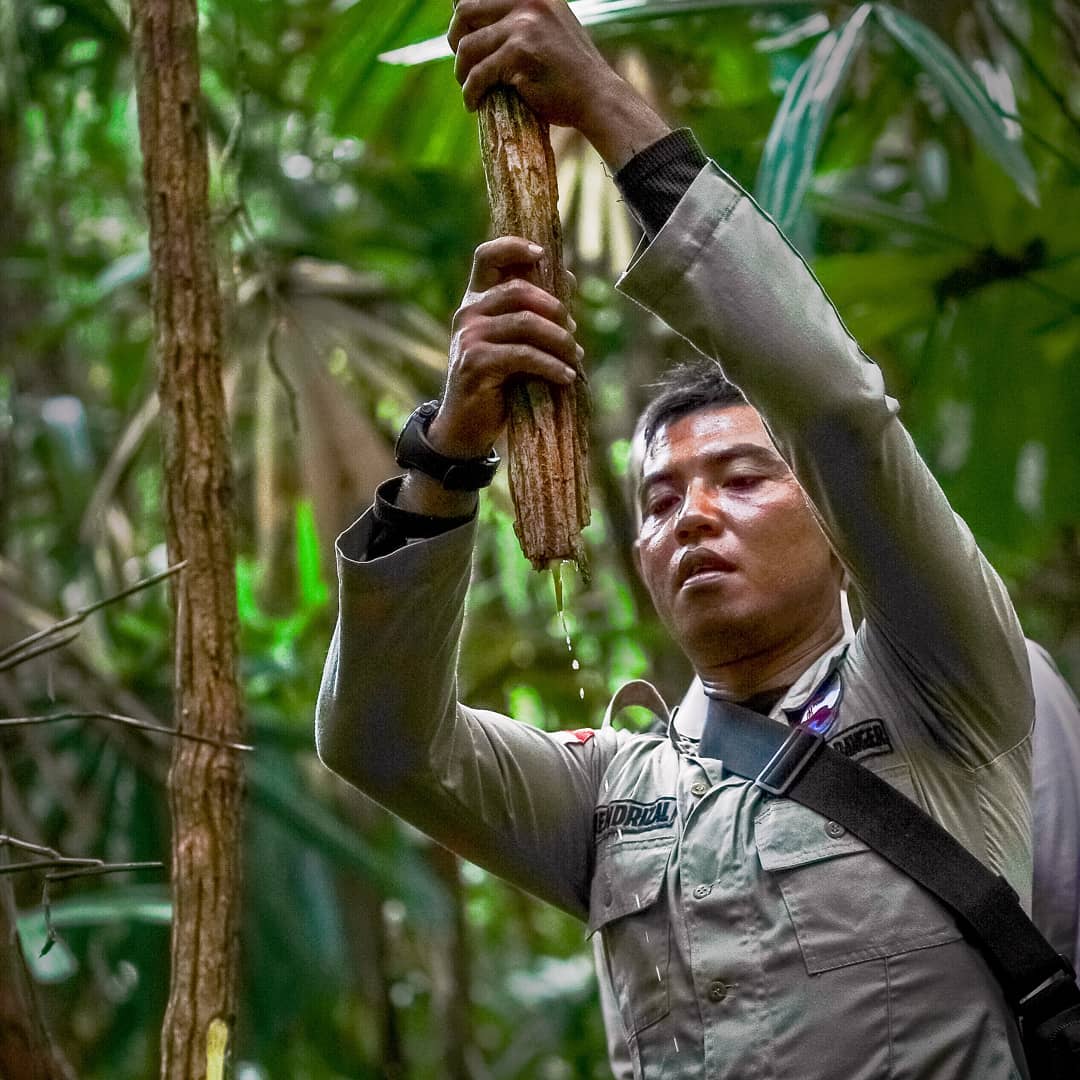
pixel 699 563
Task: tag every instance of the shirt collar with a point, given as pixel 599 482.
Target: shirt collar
pixel 688 720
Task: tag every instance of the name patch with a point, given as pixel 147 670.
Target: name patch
pixel 634 817
pixel 864 740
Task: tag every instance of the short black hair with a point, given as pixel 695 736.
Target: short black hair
pixel 688 386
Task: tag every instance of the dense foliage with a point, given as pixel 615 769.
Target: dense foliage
pixel 925 158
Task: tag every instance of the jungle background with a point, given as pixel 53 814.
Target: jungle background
pixel 926 159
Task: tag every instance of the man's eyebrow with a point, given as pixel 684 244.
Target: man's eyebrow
pixel 754 452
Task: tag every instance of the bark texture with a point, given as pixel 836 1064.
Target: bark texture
pixel 549 425
pixel 205 782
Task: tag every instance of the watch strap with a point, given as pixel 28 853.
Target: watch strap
pixel 414 451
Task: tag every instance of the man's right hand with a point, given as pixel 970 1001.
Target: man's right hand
pixel 506 328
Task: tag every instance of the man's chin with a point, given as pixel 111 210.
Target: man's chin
pixel 730 631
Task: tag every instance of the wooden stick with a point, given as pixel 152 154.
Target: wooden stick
pixel 549 425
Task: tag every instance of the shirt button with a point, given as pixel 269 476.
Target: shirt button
pixel 698 788
pixel 702 891
pixel 717 990
pixel 834 829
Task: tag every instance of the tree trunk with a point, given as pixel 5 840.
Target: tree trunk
pixel 26 1051
pixel 205 782
pixel 549 425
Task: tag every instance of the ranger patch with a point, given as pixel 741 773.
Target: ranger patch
pixel 634 817
pixel 864 740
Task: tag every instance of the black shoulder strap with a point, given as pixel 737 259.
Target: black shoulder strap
pixel 796 763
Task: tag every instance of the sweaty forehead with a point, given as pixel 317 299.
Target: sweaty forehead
pixel 702 434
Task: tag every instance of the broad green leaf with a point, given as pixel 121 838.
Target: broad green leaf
pixel 859 208
pixel 53 961
pixel 596 13
pixel 136 903
pixel 964 92
pixel 795 137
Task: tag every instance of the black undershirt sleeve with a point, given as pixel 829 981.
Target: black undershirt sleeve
pixel 394 527
pixel 653 182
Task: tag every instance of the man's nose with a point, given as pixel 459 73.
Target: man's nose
pixel 699 515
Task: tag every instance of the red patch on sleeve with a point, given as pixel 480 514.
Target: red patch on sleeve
pixel 582 735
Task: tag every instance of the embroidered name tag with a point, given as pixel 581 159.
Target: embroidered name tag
pixel 863 740
pixel 634 817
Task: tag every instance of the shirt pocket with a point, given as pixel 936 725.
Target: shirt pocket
pixel 628 906
pixel 846 903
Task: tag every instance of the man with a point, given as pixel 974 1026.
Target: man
pixel 745 936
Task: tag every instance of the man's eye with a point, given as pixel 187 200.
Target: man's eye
pixel 743 481
pixel 660 504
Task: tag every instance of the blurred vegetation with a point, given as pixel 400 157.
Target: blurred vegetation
pixel 925 158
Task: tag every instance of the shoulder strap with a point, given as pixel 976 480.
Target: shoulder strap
pixel 796 763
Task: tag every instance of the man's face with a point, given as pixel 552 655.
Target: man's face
pixel 728 548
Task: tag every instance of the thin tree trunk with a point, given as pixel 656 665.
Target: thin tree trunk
pixel 26 1051
pixel 549 424
pixel 205 782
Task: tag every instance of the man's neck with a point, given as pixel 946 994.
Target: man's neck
pixel 748 676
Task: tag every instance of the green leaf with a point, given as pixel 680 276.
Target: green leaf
pixel 313 590
pixel 595 13
pixel 964 92
pixel 50 959
pixel 795 138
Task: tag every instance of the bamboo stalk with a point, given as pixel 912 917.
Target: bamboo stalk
pixel 549 425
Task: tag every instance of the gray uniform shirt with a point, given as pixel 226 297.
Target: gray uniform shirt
pixel 744 936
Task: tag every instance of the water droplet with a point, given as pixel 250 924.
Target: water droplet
pixel 646 937
pixel 638 899
pixel 575 665
pixel 581 693
pixel 658 979
pixel 676 1042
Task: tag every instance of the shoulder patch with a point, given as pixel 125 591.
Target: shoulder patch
pixel 569 738
pixel 864 740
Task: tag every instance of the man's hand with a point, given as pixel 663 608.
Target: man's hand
pixel 540 49
pixel 506 328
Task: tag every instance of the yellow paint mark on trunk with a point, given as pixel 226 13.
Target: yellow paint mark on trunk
pixel 217 1039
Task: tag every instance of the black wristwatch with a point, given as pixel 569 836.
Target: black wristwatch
pixel 413 451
